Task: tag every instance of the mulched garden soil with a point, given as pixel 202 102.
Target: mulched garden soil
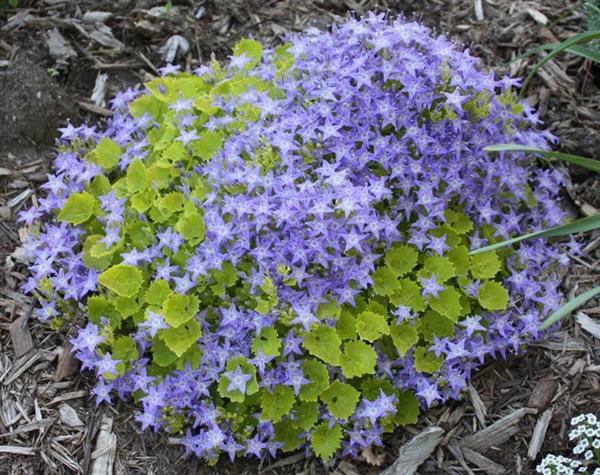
pixel 52 55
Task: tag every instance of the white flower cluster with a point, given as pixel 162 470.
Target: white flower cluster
pixel 586 433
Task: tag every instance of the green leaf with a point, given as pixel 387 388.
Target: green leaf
pixel 137 177
pixel 404 336
pixel 357 359
pixel 127 306
pixel 98 307
pixel 370 326
pixel 99 263
pixel 173 202
pixel 316 373
pixel 409 295
pixel 100 185
pixel 433 324
pixel 161 354
pixel 78 208
pixel 385 281
pixel 324 343
pixel 251 48
pixel 306 415
pixel 180 339
pixel 330 310
pixel 441 266
pixel 459 221
pixel 485 266
pixel 549 155
pixel 191 226
pixel 122 279
pixel 106 154
pixel 207 145
pixel 326 441
pixel 341 399
pixel 157 292
pixel 569 307
pixel 124 349
pixel 408 408
pixel 268 342
pixel 492 296
pixel 143 200
pixel 179 309
pixel 460 259
pixel 448 304
pixel 277 403
pixel 425 361
pixel 288 435
pixel 401 259
pixel 346 325
pixel 580 226
pixel 559 48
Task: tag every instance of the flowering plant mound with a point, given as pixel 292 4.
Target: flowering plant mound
pixel 274 254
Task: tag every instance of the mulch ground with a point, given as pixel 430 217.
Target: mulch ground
pixel 61 58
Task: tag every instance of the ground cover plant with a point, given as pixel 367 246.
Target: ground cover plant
pixel 273 254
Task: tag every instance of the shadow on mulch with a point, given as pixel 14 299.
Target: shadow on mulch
pixel 40 389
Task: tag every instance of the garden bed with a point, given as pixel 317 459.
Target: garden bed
pixel 40 386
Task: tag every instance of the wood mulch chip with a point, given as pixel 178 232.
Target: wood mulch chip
pixel 80 53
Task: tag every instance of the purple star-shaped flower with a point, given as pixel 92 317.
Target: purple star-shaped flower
pixel 431 286
pixel 237 379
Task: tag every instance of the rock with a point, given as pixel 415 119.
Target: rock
pixel 542 394
pixel 68 416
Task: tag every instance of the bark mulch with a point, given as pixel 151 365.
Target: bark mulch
pixel 64 59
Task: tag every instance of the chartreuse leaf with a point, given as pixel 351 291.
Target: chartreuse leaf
pixel 100 185
pixel 492 296
pixel 124 349
pixel 100 307
pixel 341 399
pixel 106 154
pixel 306 415
pixel 318 377
pixel 173 202
pixel 404 336
pixel 460 259
pixel 485 266
pixel 385 281
pixel 127 306
pixel 441 266
pixel 325 441
pixel 249 47
pixel 448 304
pixel 357 359
pixel 433 324
pixel 143 200
pixel 331 310
pixel 179 309
pixel 425 361
pixel 408 408
pixel 277 403
pixel 409 295
pixel 78 208
pixel 324 343
pixel 251 386
pixel 181 338
pixel 401 259
pixel 288 435
pixel 157 292
pixel 122 279
pixel 191 226
pixel 161 354
pixel 99 263
pixel 268 342
pixel 346 325
pixel 370 326
pixel 458 221
pixel 207 145
pixel 137 176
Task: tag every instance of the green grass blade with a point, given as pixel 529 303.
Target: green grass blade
pixel 575 40
pixel 579 226
pixel 569 307
pixel 585 52
pixel 584 162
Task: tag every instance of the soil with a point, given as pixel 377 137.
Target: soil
pixel 39 92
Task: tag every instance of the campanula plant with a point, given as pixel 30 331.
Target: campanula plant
pixel 273 253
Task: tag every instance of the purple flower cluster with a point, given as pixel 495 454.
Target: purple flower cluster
pixel 300 216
